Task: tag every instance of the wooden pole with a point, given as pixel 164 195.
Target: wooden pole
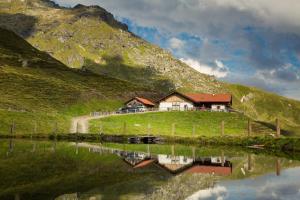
pixel 100 131
pixel 33 147
pixel 76 152
pixel 35 127
pixel 11 146
pixel 194 153
pixel 194 130
pixel 222 159
pixel 222 128
pixel 101 128
pixel 148 150
pixel 12 128
pixel 278 167
pixel 173 129
pixel 149 129
pixel 55 128
pixel 249 127
pixel 77 128
pixel 278 131
pixel 249 162
pixel 173 150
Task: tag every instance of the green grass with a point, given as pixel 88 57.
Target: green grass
pixel 205 123
pixel 265 106
pixel 47 92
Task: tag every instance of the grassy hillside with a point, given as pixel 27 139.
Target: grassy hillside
pixel 36 87
pixel 265 106
pixel 186 124
pixel 88 37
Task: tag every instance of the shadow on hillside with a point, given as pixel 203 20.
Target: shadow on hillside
pixel 21 24
pixel 273 127
pixel 114 66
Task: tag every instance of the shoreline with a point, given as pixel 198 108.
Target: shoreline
pixel 290 144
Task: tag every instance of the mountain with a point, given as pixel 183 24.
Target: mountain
pixel 90 38
pixel 36 87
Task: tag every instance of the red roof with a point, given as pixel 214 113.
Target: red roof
pixel 145 101
pixel 144 163
pixel 203 98
pixel 210 170
pixel 209 97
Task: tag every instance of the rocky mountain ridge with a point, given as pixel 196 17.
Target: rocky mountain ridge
pixel 90 37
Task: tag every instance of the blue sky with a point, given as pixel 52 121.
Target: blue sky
pixel 250 42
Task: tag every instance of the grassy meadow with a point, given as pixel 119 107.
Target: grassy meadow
pixel 179 123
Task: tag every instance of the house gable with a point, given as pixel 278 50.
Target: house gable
pixel 138 101
pixel 176 98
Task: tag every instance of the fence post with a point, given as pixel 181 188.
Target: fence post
pixel 173 129
pixel 194 130
pixel 55 128
pixel 149 129
pixel 101 128
pixel 173 150
pixel 35 127
pixel 278 167
pixel 222 128
pixel 12 128
pixel 278 131
pixel 249 127
pixel 77 128
pixel 194 153
pixel 249 162
pixel 100 131
pixel 222 158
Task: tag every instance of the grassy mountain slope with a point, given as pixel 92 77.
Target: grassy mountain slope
pixel 264 106
pixel 36 87
pixel 90 38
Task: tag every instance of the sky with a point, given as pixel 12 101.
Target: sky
pixel 251 42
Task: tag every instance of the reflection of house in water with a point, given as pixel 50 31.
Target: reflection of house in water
pixel 213 165
pixel 137 160
pixel 209 165
pixel 174 164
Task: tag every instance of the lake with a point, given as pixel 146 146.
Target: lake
pixel 69 170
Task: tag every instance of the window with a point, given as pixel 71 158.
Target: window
pixel 175 106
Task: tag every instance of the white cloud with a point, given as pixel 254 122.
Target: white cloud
pixel 218 192
pixel 176 43
pixel 219 70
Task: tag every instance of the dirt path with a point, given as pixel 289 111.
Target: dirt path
pixel 81 124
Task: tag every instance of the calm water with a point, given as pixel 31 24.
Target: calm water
pixel 92 171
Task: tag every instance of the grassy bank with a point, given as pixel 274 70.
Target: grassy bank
pixel 287 144
pixel 186 124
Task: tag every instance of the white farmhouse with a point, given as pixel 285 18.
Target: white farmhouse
pixel 183 102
